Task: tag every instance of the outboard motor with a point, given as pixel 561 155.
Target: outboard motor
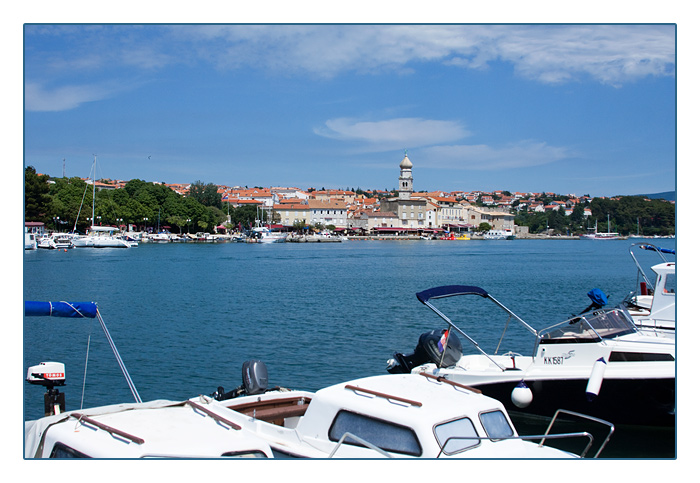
pixel 598 300
pixel 426 351
pixel 254 382
pixel 50 375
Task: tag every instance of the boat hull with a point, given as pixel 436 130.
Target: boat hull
pixel 645 402
pixel 99 242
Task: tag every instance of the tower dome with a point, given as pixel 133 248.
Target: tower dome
pixel 406 163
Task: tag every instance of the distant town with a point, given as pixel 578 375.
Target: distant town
pixel 400 211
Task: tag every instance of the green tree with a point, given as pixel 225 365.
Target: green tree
pixel 206 194
pixel 36 196
pixel 484 226
pixel 71 201
pixel 245 215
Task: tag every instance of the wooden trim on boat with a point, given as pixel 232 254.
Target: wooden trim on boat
pixel 452 383
pixel 213 415
pixel 274 410
pixel 385 396
pixel 109 429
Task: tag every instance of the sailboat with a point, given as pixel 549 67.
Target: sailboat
pixel 98 236
pixel 596 235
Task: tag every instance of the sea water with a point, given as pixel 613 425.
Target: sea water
pixel 184 317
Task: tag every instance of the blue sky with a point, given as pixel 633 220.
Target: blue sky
pixel 575 108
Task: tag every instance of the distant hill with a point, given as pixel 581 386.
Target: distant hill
pixel 667 195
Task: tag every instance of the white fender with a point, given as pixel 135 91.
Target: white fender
pixel 596 379
pixel 521 395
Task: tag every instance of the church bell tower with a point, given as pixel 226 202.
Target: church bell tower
pixel 405 178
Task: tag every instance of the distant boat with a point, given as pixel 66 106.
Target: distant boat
pixel 29 241
pixel 264 235
pixel 596 235
pixel 499 235
pixel 99 236
pixel 56 241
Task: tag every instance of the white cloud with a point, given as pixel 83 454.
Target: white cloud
pixel 609 54
pixel 37 98
pixel 393 133
pixel 547 53
pixel 482 157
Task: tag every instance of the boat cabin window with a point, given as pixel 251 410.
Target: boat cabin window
pixel 383 434
pixel 245 454
pixel 456 436
pixel 670 283
pixel 496 425
pixel 604 324
pixel 60 450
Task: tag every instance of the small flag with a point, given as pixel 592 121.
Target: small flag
pixel 442 343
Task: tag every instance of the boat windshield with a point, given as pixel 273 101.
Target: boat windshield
pixel 590 328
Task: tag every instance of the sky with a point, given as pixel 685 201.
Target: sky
pixel 565 108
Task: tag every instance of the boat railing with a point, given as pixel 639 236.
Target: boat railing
pixel 610 426
pixel 581 434
pixel 360 441
pixel 649 247
pixel 547 436
pixel 452 290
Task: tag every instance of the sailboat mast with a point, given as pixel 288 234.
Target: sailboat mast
pixel 94 169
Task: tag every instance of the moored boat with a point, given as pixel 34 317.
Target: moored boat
pixel 652 304
pixel 100 237
pixel 263 234
pixel 499 235
pixel 30 241
pixel 594 234
pixel 597 363
pixel 408 415
pixel 56 241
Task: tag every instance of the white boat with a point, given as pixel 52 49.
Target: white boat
pixel 100 237
pixel 594 234
pixel 596 363
pixel 499 235
pixel 56 241
pixel 652 304
pixel 264 235
pixel 410 415
pixel 29 241
pixel 159 237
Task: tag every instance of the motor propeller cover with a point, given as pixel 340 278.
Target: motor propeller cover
pixel 428 350
pixel 254 377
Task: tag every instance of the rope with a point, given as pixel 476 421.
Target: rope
pixel 132 387
pixel 82 396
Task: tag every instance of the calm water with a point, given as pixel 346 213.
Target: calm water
pixel 186 316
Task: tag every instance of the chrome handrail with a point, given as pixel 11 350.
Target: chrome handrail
pixel 590 418
pixel 362 442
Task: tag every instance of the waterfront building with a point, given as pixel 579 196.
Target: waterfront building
pixel 411 212
pixel 499 220
pixel 379 221
pixel 291 213
pixel 328 213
